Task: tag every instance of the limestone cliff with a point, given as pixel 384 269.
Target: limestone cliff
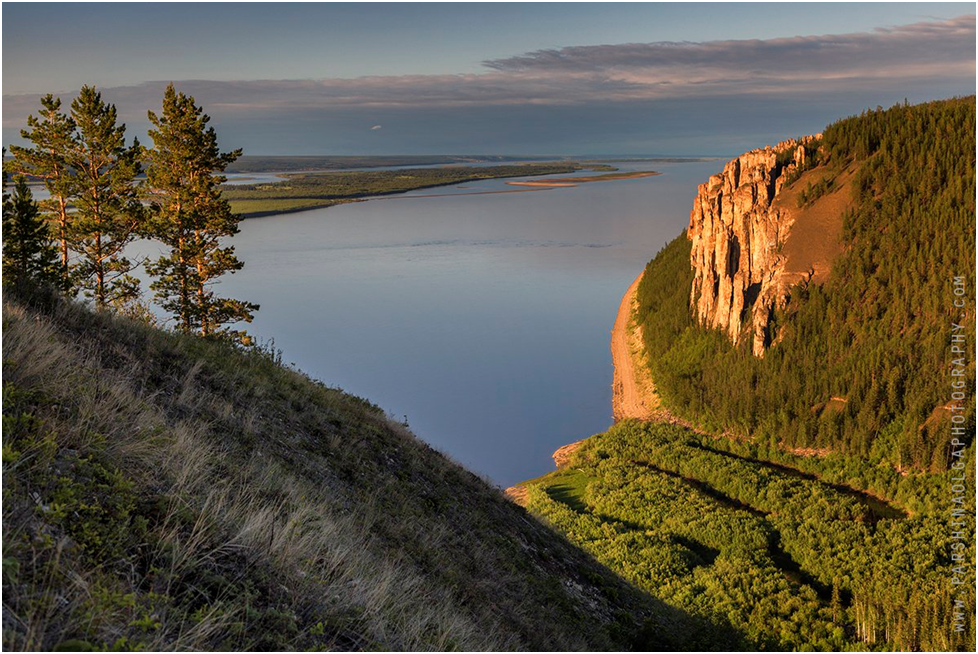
pixel 737 230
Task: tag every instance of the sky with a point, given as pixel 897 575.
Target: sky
pixel 563 79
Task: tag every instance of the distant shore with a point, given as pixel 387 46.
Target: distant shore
pixel 574 181
pixel 306 191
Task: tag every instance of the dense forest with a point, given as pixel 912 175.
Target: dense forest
pixel 767 544
pixel 862 366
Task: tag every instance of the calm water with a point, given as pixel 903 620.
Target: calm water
pixel 485 319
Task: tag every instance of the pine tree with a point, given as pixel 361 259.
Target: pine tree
pixel 836 604
pixel 4 200
pixel 191 218
pixel 109 214
pixel 28 252
pixel 52 133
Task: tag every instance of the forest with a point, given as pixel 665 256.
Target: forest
pixel 861 366
pixel 772 550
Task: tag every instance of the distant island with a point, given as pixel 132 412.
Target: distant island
pixel 574 181
pixel 304 191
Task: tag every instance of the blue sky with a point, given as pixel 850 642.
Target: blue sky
pixel 496 78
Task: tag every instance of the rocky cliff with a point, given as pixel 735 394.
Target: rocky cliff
pixel 737 230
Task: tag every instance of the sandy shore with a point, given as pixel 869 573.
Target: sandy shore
pixel 452 195
pixel 634 393
pixel 542 184
pixel 574 181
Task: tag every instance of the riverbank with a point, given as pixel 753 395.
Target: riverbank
pixel 633 391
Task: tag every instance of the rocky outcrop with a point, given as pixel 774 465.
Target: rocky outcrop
pixel 737 230
pixel 563 454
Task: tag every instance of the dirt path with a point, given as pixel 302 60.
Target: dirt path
pixel 634 393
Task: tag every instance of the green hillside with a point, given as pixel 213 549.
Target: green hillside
pixel 876 333
pixel 161 491
pixel 812 523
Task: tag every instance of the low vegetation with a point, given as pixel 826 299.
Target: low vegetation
pixel 784 551
pixel 299 192
pixel 278 164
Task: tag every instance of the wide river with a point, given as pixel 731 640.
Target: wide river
pixel 484 319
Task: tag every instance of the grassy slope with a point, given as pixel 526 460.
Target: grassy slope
pixel 164 492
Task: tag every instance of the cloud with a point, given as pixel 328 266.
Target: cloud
pixel 624 91
pixel 884 58
pixel 918 45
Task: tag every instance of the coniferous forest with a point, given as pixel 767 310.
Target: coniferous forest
pixel 877 333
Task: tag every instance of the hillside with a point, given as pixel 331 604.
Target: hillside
pixel 860 354
pixel 805 320
pixel 167 492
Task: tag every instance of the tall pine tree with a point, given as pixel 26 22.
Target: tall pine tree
pixel 108 213
pixel 190 217
pixel 4 200
pixel 52 135
pixel 28 252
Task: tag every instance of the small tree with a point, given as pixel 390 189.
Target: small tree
pixel 52 134
pixel 190 217
pixel 28 252
pixel 109 214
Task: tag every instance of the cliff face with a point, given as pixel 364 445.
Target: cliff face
pixel 737 230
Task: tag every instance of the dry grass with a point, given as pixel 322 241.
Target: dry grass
pixel 253 508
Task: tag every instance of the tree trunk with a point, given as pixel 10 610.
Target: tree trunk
pixel 63 237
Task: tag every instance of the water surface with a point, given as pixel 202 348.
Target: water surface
pixel 484 319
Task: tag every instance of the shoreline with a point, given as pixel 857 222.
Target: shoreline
pixel 633 391
pixel 570 182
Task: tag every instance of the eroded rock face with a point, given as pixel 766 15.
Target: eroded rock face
pixel 737 231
